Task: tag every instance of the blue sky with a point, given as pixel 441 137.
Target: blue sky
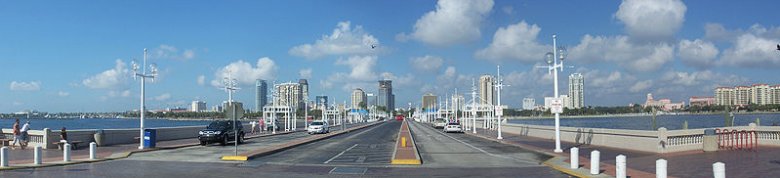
pixel 70 57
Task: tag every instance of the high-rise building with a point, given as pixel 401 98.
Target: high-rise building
pixel 759 94
pixel 742 95
pixel 576 90
pixel 322 102
pixel 487 92
pixel 386 98
pixel 303 96
pixel 429 101
pixel 774 94
pixel 288 94
pixel 370 99
pixel 358 99
pixel 198 106
pixel 261 94
pixel 529 103
pixel 724 96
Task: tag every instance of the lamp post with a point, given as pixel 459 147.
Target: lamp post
pixel 499 110
pixel 151 75
pixel 230 86
pixel 553 58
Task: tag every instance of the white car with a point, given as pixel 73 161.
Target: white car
pixel 439 123
pixel 318 127
pixel 453 127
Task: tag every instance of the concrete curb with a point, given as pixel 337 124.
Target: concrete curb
pixel 417 160
pixel 120 155
pixel 266 151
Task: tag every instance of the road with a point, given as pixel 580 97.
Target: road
pixel 361 153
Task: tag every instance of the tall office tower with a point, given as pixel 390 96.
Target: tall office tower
pixel 359 99
pixel 487 92
pixel 370 99
pixel 322 102
pixel 386 98
pixel 261 94
pixel 287 94
pixel 304 92
pixel 429 101
pixel 576 91
pixel 198 106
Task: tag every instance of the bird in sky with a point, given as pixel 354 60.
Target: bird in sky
pixel 778 47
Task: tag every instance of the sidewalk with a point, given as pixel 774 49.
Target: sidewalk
pixel 739 163
pixel 26 156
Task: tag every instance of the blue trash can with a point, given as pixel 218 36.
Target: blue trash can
pixel 150 138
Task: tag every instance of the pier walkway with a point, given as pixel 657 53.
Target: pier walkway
pixel 739 163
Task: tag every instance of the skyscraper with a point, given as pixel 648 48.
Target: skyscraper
pixel 358 99
pixel 198 106
pixel 261 94
pixel 370 99
pixel 386 98
pixel 303 96
pixel 576 90
pixel 487 92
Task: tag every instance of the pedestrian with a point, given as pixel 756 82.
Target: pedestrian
pixel 24 136
pixel 15 129
pixel 262 125
pixel 63 135
pixel 254 124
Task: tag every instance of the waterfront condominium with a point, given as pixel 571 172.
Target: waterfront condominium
pixel 198 106
pixel 386 97
pixel 576 91
pixel 358 99
pixel 303 96
pixel 759 94
pixel 487 92
pixel 261 94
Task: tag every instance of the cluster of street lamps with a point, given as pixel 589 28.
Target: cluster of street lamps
pixel 143 75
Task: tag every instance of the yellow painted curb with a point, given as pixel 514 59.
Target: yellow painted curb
pixel 234 158
pixel 406 161
pixel 564 170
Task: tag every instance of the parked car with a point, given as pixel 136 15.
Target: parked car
pixel 221 132
pixel 318 127
pixel 453 127
pixel 399 117
pixel 439 123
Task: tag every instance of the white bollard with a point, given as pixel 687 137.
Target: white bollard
pixel 66 152
pixel 594 162
pixel 93 151
pixel 620 167
pixel 4 157
pixel 575 157
pixel 719 170
pixel 660 168
pixel 38 155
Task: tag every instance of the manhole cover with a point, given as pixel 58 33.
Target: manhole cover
pixel 348 170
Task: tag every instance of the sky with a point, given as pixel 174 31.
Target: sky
pixel 69 56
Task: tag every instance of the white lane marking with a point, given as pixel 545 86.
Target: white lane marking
pixel 481 150
pixel 334 157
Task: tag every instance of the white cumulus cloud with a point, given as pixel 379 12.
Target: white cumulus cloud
pixel 453 21
pixel 517 41
pixel 171 52
pixel 163 97
pixel 344 40
pixel 362 67
pixel 246 73
pixel 751 50
pixel 114 78
pixel 697 53
pixel 641 86
pixel 652 20
pixel 63 94
pixel 25 86
pixel 426 63
pixel 305 73
pixel 618 49
pixel 201 80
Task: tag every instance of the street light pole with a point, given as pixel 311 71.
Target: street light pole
pixel 553 58
pixel 143 75
pixel 499 110
pixel 230 86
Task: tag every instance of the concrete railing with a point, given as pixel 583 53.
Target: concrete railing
pixel 659 141
pixel 46 137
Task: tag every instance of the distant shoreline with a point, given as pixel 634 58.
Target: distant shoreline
pixel 631 115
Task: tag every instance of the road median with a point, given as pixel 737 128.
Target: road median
pixel 405 152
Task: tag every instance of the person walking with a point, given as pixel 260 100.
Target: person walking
pixel 254 125
pixel 25 138
pixel 262 125
pixel 15 129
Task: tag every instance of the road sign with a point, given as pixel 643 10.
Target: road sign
pixel 557 105
pixel 499 111
pixel 239 108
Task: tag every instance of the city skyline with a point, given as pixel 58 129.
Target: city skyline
pixel 69 57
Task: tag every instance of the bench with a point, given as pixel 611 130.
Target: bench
pixel 74 144
pixel 6 142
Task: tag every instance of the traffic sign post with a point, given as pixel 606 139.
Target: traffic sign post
pixel 556 106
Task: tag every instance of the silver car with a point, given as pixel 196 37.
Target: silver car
pixel 318 127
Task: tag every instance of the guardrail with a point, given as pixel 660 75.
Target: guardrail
pixel 655 141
